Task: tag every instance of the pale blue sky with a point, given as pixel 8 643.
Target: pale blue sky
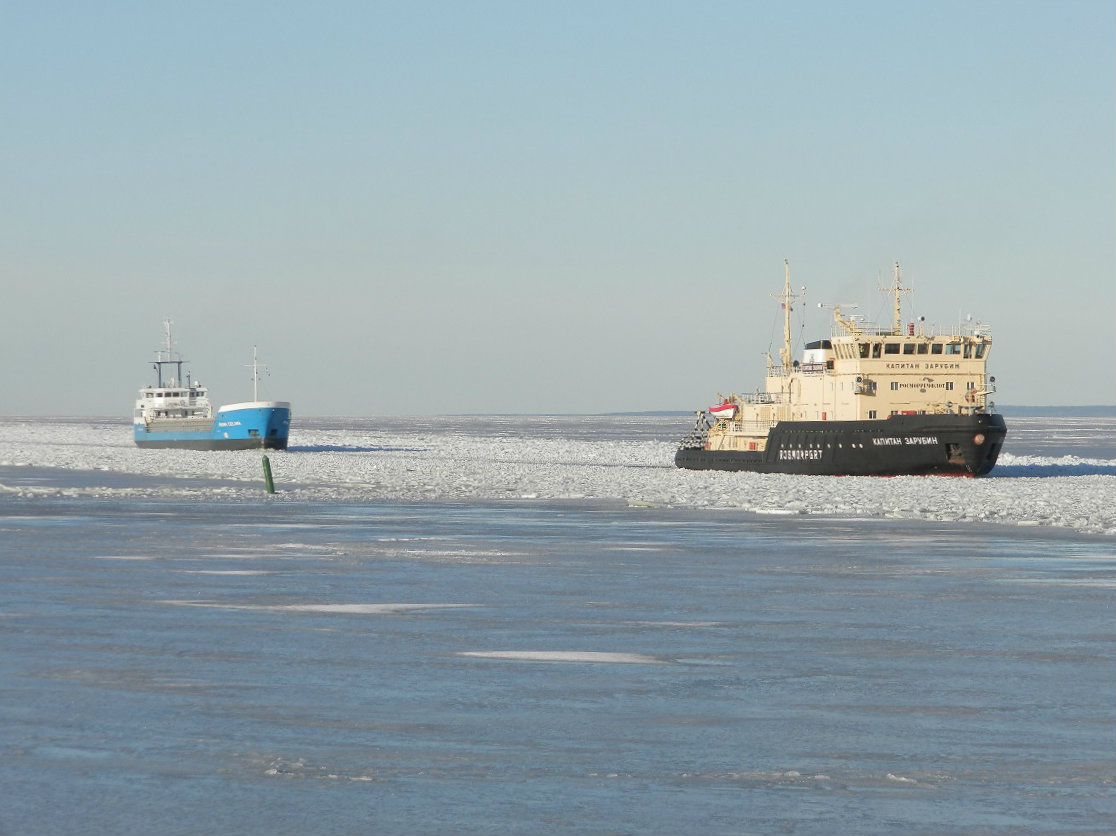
pixel 542 207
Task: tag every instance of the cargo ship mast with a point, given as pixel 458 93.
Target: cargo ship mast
pixel 166 357
pixel 256 366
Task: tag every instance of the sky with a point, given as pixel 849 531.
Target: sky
pixel 544 207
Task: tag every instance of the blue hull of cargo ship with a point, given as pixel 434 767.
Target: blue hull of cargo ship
pixel 260 425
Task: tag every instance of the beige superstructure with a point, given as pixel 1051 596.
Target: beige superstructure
pixel 861 374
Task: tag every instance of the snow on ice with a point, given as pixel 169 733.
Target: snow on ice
pixel 536 459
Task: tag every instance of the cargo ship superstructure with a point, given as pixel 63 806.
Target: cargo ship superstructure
pixel 177 413
pixel 864 401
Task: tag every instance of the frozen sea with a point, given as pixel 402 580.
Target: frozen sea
pixel 536 624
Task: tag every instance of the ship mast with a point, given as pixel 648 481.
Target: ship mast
pixel 896 289
pixel 255 367
pixel 786 353
pixel 166 357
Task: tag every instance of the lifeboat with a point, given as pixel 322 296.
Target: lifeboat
pixel 725 409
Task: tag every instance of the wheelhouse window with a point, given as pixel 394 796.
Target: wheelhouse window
pixel 908 348
pixel 876 349
pixel 923 348
pixel 936 348
pixel 891 348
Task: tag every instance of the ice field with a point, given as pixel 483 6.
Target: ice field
pixel 1057 472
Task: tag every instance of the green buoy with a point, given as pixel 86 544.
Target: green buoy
pixel 267 476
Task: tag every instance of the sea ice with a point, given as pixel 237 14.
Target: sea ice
pixel 483 460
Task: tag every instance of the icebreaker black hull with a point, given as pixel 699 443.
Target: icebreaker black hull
pixel 945 445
